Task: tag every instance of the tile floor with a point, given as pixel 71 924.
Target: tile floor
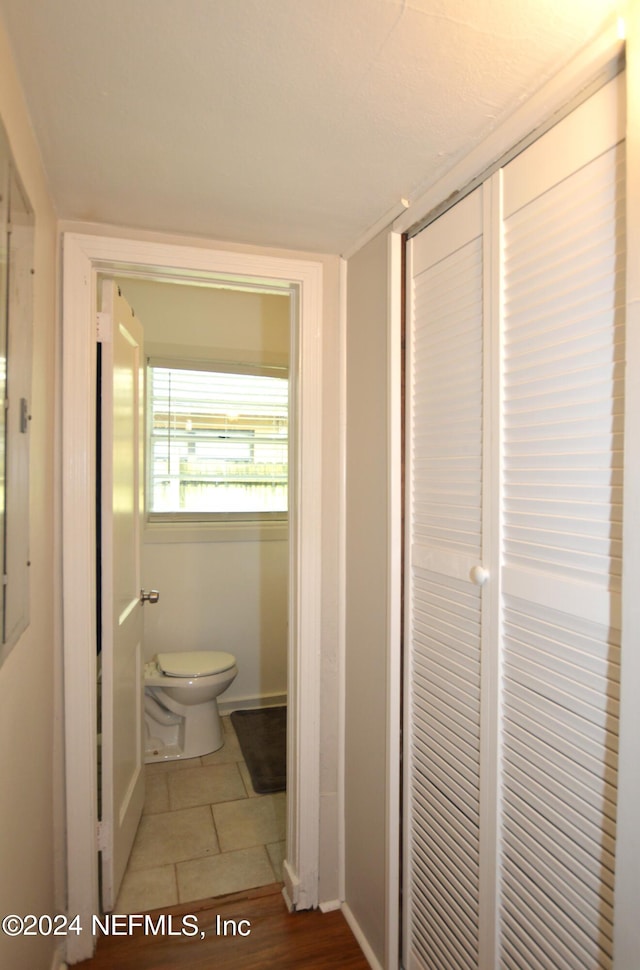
pixel 204 832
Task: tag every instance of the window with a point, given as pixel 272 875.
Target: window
pixel 217 441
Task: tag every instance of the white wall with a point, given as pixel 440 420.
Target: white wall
pixel 31 842
pixel 223 595
pixel 366 593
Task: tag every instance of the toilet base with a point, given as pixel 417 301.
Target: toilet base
pixel 196 732
pixel 157 751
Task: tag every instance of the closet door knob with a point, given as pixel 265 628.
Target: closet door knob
pixel 149 597
pixel 479 575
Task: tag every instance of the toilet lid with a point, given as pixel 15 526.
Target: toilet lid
pixel 195 663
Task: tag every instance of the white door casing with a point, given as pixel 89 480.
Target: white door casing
pixel 84 257
pixel 122 659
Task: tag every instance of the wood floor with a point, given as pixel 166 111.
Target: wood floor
pixel 277 938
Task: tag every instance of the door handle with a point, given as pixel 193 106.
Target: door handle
pixel 479 575
pixel 152 596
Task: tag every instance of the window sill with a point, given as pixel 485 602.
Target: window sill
pixel 250 530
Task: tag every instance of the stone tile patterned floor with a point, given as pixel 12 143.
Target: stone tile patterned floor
pixel 204 832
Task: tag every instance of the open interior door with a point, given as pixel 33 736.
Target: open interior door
pixel 122 502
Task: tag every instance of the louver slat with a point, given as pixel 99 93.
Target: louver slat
pixel 563 427
pixel 445 536
pixel 549 385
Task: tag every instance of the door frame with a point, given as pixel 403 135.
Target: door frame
pixel 83 257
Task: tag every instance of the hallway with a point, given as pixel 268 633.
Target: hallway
pixel 275 938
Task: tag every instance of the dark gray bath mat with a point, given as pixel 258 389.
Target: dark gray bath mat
pixel 263 738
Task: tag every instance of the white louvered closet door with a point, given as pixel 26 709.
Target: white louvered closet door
pixel 563 415
pixel 444 607
pixel 511 688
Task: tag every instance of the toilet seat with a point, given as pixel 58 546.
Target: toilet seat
pixel 195 663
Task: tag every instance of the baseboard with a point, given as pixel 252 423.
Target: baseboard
pixel 370 956
pixel 329 905
pixel 287 899
pixel 251 703
pixel 291 885
pixel 57 961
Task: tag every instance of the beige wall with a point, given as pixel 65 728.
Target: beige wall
pixel 366 592
pixel 30 759
pixel 211 323
pixel 224 595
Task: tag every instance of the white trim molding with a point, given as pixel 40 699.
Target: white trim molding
pixel 362 941
pixel 394 592
pixel 57 962
pixel 330 906
pixel 342 587
pixel 84 257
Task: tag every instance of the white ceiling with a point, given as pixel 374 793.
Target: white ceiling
pixel 294 123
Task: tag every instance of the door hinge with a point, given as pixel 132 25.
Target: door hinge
pixel 104 334
pixel 104 836
pixel 25 417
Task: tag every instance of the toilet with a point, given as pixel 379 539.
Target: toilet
pixel 181 703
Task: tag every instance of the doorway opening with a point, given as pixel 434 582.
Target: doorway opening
pixel 84 259
pixel 214 544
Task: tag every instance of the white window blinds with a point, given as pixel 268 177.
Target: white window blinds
pixel 217 441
